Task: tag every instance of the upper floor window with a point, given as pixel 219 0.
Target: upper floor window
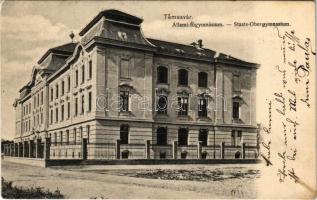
pixel 235 110
pixel 124 134
pixel 56 91
pixel 56 114
pixel 82 73
pixel 90 69
pixel 182 77
pixel 42 97
pixel 182 137
pixel 124 68
pixel 76 78
pixel 89 101
pixel 203 136
pixel 182 106
pixel 161 136
pixel 162 74
pixel 68 83
pixel 76 106
pixel 82 104
pixel 202 79
pixel 51 119
pixel 68 110
pixel 52 92
pixel 63 87
pixel 62 112
pixel 236 83
pixel 202 107
pixel 161 105
pixel 124 101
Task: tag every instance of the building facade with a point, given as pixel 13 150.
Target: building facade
pixel 116 94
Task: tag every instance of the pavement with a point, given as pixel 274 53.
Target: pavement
pixel 103 181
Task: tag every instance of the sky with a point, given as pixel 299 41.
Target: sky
pixel 29 29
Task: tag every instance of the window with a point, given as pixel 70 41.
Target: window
pixel 41 117
pixel 75 135
pixel 76 106
pixel 55 138
pixel 61 137
pixel 182 77
pixel 235 110
pixel 88 133
pixel 162 74
pixel 236 137
pixel 80 133
pixel 182 106
pixel 203 136
pixel 124 68
pixel 124 134
pixel 68 110
pixel 236 83
pixel 82 73
pixel 56 114
pixel 124 101
pixel 82 104
pixel 162 104
pixel 52 92
pixel 56 91
pixel 62 112
pixel 68 83
pixel 51 117
pixel 41 97
pixel 182 137
pixel 63 87
pixel 202 107
pixel 161 136
pixel 202 79
pixel 90 69
pixel 38 99
pixel 76 78
pixel 89 101
pixel 67 136
pixel 34 101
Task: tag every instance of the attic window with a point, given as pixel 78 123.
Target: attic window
pixel 200 54
pixel 122 35
pixel 180 50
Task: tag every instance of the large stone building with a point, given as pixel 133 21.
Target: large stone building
pixel 116 94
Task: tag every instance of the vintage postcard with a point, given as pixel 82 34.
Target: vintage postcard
pixel 158 99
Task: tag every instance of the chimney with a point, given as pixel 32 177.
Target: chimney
pixel 200 43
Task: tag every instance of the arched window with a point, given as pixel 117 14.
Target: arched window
pixel 182 137
pixel 162 74
pixel 124 134
pixel 182 77
pixel 161 136
pixel 202 79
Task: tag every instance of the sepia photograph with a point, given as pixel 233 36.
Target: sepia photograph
pixel 158 100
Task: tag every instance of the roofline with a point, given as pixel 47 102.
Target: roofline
pixel 99 16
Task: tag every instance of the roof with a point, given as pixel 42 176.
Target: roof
pixel 181 48
pixel 63 49
pixel 229 58
pixel 114 15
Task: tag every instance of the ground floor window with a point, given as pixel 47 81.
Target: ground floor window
pixel 124 134
pixel 161 136
pixel 203 136
pixel 183 136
